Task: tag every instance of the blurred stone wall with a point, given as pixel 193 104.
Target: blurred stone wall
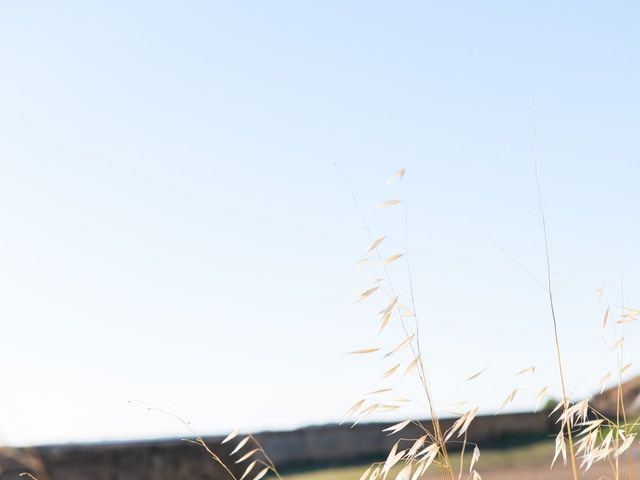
pixel 305 447
pixel 606 402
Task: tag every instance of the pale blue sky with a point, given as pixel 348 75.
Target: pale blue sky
pixel 173 228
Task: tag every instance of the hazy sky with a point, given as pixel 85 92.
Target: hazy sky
pixel 173 229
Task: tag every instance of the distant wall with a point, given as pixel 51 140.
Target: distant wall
pixel 340 444
pixel 607 401
pixel 321 445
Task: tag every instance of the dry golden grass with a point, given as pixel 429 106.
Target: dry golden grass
pixel 585 436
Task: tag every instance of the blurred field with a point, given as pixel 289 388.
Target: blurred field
pixel 518 463
pixel 530 455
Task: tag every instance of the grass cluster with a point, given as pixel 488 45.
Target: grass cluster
pixel 585 436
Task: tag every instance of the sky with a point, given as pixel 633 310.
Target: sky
pixel 178 228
